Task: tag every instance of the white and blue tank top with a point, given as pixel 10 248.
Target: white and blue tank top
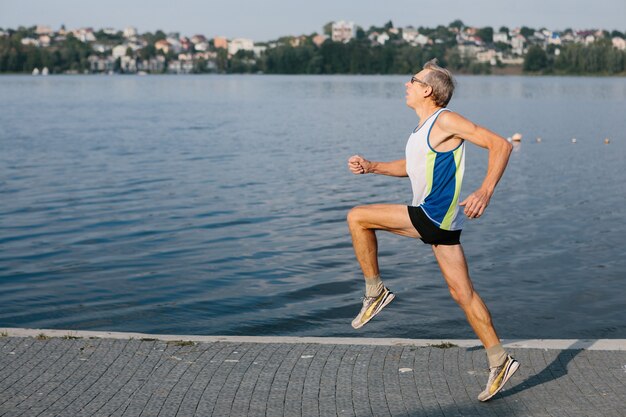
pixel 436 177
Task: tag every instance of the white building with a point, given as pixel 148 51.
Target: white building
pixel 409 34
pixel 84 35
pixel 619 43
pixel 43 30
pixel 422 40
pixel 240 44
pixel 175 44
pixel 343 31
pixel 501 37
pixel 382 38
pixel 554 39
pixel 30 41
pixel 517 43
pixel 259 50
pixel 488 56
pixel 119 51
pixel 130 32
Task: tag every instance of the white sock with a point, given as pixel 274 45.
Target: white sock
pixel 373 286
pixel 496 355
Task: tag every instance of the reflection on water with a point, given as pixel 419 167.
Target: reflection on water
pixel 216 205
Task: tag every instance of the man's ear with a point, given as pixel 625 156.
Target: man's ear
pixel 429 91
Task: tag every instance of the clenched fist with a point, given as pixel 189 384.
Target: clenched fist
pixel 358 165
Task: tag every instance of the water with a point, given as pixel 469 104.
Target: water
pixel 217 204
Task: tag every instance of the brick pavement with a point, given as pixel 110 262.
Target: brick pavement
pixel 133 377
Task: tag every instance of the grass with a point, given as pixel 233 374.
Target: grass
pixel 71 337
pixel 444 345
pixel 42 336
pixel 4 333
pixel 148 339
pixel 181 343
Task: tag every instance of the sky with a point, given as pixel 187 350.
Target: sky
pixel 263 20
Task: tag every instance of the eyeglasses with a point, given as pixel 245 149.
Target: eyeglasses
pixel 416 80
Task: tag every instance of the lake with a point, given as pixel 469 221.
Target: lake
pixel 216 205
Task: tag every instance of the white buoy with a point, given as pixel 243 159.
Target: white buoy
pixel 44 71
pixel 573 140
pixel 517 137
pixel 607 141
pixel 36 71
pixel 538 140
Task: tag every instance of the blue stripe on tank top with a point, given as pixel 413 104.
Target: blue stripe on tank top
pixel 441 194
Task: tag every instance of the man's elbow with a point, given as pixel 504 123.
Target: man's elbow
pixel 508 147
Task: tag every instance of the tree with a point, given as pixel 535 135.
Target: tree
pixel 328 29
pixel 504 29
pixel 535 60
pixel 617 34
pixel 527 32
pixel 360 33
pixel 486 34
pixel 457 24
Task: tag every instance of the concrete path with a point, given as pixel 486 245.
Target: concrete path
pixel 82 374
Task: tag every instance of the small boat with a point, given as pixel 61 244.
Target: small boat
pixel 517 137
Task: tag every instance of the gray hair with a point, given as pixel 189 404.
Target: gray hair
pixel 441 81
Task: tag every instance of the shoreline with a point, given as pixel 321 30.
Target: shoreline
pixel 552 344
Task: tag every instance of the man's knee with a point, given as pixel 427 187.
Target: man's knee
pixel 462 296
pixel 356 216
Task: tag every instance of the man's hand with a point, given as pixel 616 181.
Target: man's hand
pixel 476 203
pixel 358 165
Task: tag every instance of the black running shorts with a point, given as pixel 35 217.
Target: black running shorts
pixel 430 233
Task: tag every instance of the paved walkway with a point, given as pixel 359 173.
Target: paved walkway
pixel 78 374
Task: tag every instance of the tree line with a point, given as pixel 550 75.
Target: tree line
pixel 354 57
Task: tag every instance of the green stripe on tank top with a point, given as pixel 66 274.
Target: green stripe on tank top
pixel 458 176
pixel 430 170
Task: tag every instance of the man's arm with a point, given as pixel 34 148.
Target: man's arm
pixel 499 151
pixel 359 165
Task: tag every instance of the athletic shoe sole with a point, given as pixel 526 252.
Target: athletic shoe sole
pixel 382 305
pixel 509 373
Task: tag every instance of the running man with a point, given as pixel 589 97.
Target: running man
pixel 435 162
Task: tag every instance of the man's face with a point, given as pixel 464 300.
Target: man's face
pixel 417 89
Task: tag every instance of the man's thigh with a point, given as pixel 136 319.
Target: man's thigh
pixel 393 218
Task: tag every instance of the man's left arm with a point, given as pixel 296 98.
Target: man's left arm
pixel 499 151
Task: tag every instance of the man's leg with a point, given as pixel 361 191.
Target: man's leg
pixel 363 222
pixel 453 265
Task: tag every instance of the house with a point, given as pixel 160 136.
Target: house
pixel 43 30
pixel 30 41
pixel 175 44
pixel 554 39
pixel 409 34
pixel 382 38
pixel 130 32
pixel 619 43
pixel 220 42
pixel 488 56
pixel 240 44
pixel 517 44
pixel 84 35
pixel 162 45
pixel 319 40
pixel 259 50
pixel 44 40
pixel 201 46
pixel 119 51
pixel 502 37
pixel 422 40
pixel 343 31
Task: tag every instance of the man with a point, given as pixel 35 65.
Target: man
pixel 435 161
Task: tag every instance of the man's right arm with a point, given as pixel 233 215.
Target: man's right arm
pixel 359 165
